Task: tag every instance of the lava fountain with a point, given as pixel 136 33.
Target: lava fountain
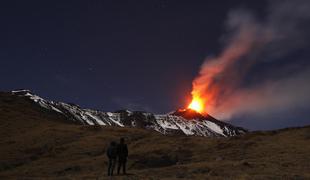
pixel 197 105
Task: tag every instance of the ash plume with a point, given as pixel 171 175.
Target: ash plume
pixel 264 66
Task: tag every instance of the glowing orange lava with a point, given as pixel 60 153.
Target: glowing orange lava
pixel 197 105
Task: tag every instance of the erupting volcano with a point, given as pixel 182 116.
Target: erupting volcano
pixel 197 105
pixel 182 121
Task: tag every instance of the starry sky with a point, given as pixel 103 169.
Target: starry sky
pixel 110 55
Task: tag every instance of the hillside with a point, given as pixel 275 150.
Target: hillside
pixel 37 144
pixel 181 121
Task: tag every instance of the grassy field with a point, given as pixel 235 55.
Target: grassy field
pixel 36 144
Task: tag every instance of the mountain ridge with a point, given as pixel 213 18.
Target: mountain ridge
pixel 39 144
pixel 182 121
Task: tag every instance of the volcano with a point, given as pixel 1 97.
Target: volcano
pixel 188 114
pixel 182 121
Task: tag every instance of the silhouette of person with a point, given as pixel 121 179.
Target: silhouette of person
pixel 122 152
pixel 112 155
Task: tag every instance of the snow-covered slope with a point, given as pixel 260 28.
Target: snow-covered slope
pixel 184 121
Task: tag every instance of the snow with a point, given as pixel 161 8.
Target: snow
pixel 167 125
pixel 115 118
pixel 214 127
pixel 116 122
pixel 129 112
pixel 90 122
pixel 164 123
pixel 185 129
pixel 55 109
pixel 98 120
pixel 21 90
pixel 109 114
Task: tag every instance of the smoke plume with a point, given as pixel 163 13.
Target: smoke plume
pixel 264 66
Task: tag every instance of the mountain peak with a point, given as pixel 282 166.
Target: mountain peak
pixel 188 114
pixel 21 91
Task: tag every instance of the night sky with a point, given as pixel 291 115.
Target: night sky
pixel 110 55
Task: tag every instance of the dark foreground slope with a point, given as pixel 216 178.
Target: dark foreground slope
pixel 38 145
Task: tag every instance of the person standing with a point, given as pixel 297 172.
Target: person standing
pixel 112 155
pixel 122 152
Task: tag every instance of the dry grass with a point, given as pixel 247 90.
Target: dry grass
pixel 38 145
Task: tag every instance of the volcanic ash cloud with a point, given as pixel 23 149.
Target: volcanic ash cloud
pixel 264 66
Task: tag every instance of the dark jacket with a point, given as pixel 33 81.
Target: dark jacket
pixel 112 152
pixel 122 151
